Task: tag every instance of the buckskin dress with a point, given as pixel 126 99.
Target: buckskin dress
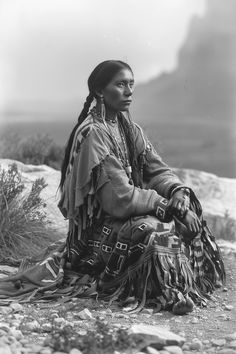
pixel 120 242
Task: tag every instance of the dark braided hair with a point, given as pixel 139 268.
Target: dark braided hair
pixel 98 80
pixel 128 128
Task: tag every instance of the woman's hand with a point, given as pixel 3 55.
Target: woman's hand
pixel 191 221
pixel 180 202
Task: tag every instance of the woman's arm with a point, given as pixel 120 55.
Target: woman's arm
pixel 120 199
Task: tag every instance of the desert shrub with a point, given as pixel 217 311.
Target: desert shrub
pixel 24 229
pixel 37 150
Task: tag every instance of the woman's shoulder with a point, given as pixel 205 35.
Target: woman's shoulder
pixel 88 128
pixel 89 137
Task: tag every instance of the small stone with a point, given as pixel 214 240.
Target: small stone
pixel 59 321
pixel 147 311
pixel 226 351
pixel 121 315
pixel 194 320
pixel 196 344
pixel 46 327
pixel 222 316
pixel 228 307
pixel 173 349
pixel 85 314
pixel 185 346
pixel 212 306
pixel 16 307
pixel 16 323
pixel 16 333
pixel 46 350
pixel 31 326
pixel 24 341
pixel 151 350
pixel 225 289
pixel 231 337
pixel 5 327
pixel 5 349
pixel 35 348
pixel 218 342
pixel 75 351
pixel 232 344
pixel 206 341
pixel 54 315
pixel 177 319
pixel 5 310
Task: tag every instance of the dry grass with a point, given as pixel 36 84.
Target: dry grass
pixel 24 229
pixel 36 150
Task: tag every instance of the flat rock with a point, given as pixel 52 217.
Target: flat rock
pixel 218 342
pixel 157 337
pixel 85 315
pixel 232 344
pixel 5 349
pixel 231 337
pixel 16 307
pixel 5 310
pixel 173 349
pixel 151 350
pixel 228 307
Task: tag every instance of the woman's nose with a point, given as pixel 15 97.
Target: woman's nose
pixel 128 90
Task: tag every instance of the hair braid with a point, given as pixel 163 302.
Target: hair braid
pixel 82 116
pixel 129 133
pixel 87 104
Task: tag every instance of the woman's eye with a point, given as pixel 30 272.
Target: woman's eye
pixel 120 84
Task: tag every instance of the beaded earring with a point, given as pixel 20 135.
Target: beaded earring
pixel 103 108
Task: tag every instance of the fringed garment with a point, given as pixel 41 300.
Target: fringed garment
pixel 119 245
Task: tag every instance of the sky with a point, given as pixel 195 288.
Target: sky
pixel 49 47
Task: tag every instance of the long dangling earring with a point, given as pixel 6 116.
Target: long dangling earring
pixel 103 108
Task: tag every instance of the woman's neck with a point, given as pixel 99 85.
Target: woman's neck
pixel 111 115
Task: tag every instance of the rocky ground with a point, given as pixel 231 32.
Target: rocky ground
pixel 37 328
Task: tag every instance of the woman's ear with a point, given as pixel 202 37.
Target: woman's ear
pixel 98 94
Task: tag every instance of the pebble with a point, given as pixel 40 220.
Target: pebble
pixel 5 349
pixel 5 310
pixel 226 351
pixel 185 346
pixel 16 307
pixel 74 351
pixel 147 311
pixel 232 344
pixel 85 314
pixel 218 342
pixel 46 327
pixel 17 334
pixel 31 326
pixel 196 344
pixel 231 337
pixel 46 350
pixel 173 349
pixel 151 350
pixel 194 320
pixel 228 307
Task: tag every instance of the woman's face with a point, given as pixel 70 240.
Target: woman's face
pixel 118 93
